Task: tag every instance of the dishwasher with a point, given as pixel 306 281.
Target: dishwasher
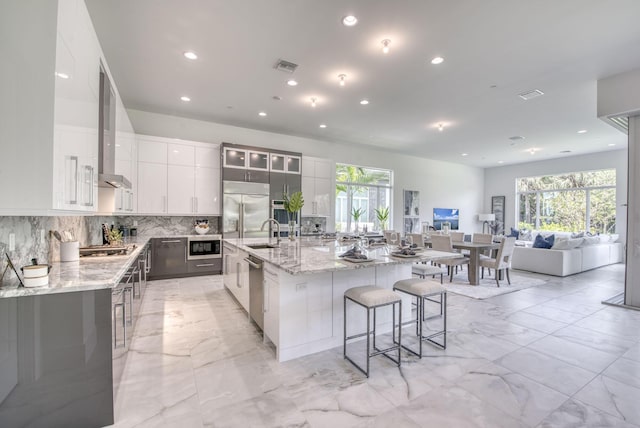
pixel 256 291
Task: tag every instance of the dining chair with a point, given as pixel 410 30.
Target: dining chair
pixel 502 260
pixel 483 238
pixel 392 237
pixel 458 237
pixel 444 243
pixel 416 238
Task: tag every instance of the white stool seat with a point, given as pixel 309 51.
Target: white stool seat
pixel 419 287
pixel 370 296
pixel 420 269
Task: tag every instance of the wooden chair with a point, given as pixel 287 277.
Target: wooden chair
pixel 444 243
pixel 502 260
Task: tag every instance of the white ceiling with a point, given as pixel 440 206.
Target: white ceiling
pixel 560 47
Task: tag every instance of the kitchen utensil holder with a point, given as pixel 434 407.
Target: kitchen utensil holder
pixel 69 251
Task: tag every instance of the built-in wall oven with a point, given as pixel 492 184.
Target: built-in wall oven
pixel 201 247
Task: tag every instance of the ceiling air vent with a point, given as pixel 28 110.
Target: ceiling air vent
pixel 286 66
pixel 622 122
pixel 531 94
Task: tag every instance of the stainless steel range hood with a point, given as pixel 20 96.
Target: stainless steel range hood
pixel 107 138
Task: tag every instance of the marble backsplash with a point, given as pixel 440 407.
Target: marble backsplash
pixel 29 242
pixel 308 224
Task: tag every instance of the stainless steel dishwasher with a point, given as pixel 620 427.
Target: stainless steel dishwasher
pixel 256 291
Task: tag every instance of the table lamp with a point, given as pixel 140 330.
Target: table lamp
pixel 486 219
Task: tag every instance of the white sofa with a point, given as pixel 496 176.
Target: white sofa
pixel 567 262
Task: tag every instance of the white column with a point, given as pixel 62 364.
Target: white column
pixel 632 278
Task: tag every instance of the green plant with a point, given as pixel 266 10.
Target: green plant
pixel 293 203
pixel 383 217
pixel 356 213
pixel 114 236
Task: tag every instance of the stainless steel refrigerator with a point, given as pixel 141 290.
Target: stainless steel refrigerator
pixel 245 207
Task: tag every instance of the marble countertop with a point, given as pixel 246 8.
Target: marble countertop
pixel 89 273
pixel 313 255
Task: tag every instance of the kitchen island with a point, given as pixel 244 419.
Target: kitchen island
pixel 303 288
pixel 56 344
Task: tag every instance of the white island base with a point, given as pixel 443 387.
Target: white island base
pixel 304 313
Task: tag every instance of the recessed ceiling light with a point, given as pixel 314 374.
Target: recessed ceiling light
pixel 313 101
pixel 437 60
pixel 565 151
pixel 276 98
pixel 349 20
pixel 440 127
pixel 62 75
pixel 582 131
pixel 516 138
pixel 611 144
pixel 364 102
pixel 185 99
pixel 385 45
pixel 322 125
pixel 190 55
pixel 341 78
pixel 532 151
pixel 262 114
pixel 292 82
pixel 464 154
pixel 500 161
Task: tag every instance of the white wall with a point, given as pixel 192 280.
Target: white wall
pixel 502 181
pixel 441 184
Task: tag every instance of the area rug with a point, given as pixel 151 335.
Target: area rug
pixel 487 287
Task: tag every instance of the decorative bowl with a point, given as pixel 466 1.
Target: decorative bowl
pixel 202 229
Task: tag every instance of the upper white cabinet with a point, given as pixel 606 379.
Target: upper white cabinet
pixel 317 187
pixel 188 177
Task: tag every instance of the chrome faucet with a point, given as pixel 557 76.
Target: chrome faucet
pixel 274 221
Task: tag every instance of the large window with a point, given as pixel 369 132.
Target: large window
pixel 364 190
pixel 568 202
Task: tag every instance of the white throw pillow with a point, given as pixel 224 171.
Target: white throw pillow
pixel 566 243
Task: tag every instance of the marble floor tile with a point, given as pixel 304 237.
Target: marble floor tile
pixel 549 371
pixel 553 313
pixel 600 341
pixel 579 415
pixel 535 322
pixel 271 409
pixel 626 371
pixel 633 353
pixel 573 353
pixel 196 360
pixel 613 397
pixel 516 395
pixel 456 407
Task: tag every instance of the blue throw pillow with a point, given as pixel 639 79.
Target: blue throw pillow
pixel 542 242
pixel 514 233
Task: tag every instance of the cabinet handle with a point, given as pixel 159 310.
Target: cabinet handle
pixel 172 241
pixel 205 265
pixel 249 174
pixel 164 204
pixel 238 275
pixel 265 301
pixel 196 201
pixel 73 180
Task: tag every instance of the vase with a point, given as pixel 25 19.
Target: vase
pixel 356 228
pixel 292 230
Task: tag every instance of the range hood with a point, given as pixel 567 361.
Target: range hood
pixel 107 138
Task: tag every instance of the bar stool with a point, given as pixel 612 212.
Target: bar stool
pixel 423 270
pixel 423 290
pixel 371 297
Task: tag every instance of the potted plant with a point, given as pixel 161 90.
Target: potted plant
pixel 293 204
pixel 356 213
pixel 383 217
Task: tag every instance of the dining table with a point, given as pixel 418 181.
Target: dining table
pixel 474 249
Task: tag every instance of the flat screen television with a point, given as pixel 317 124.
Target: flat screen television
pixel 440 215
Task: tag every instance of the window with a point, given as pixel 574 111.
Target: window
pixel 363 189
pixel 568 202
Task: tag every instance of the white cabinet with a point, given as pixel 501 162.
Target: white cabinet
pixel 152 188
pixel 271 304
pixel 317 187
pixel 126 165
pixel 192 177
pixel 236 274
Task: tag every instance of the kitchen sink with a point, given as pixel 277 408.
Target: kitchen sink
pixel 262 246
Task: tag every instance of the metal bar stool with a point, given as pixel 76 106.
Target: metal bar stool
pixel 423 290
pixel 371 297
